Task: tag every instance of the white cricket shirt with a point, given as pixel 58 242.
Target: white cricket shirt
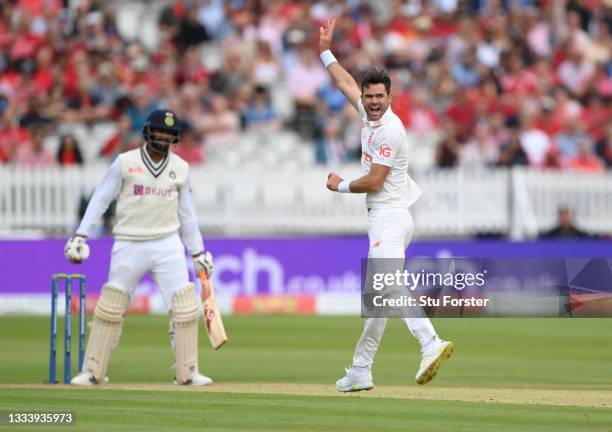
pixel 153 200
pixel 384 142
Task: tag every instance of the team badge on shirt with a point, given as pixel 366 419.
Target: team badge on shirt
pixel 172 175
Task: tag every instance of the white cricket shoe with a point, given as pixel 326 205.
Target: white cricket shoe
pixel 196 379
pixel 87 379
pixel 432 359
pixel 356 379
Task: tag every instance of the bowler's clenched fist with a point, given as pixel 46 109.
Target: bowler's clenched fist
pixel 333 180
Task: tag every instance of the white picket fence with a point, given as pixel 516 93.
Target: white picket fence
pixel 253 200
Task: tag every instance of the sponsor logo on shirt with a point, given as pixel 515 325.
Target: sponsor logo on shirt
pixel 370 138
pixel 135 170
pixel 149 190
pixel 385 151
pixel 367 156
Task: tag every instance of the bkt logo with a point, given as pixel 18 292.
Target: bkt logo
pixel 385 151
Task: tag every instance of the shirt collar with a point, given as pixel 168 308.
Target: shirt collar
pixel 384 119
pixel 154 168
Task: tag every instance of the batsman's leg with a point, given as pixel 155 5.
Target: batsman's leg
pixel 184 314
pixel 105 334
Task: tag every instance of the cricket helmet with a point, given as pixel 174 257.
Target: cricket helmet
pixel 163 121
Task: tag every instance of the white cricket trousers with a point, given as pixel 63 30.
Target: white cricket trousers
pixel 389 232
pixel 164 258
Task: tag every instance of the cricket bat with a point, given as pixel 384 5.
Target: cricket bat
pixel 212 317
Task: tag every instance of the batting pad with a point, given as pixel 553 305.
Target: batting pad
pixel 185 313
pixel 106 330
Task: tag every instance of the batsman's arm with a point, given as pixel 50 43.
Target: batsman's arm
pixel 340 76
pixel 190 231
pixel 105 193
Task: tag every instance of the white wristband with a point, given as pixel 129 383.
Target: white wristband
pixel 327 57
pixel 344 186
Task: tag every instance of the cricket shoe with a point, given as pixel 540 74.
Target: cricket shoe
pixel 432 359
pixel 196 379
pixel 356 379
pixel 87 379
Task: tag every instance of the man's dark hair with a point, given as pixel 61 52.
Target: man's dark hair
pixel 376 75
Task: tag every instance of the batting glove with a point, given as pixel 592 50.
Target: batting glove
pixel 203 261
pixel 76 249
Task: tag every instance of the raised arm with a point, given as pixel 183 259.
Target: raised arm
pixel 342 79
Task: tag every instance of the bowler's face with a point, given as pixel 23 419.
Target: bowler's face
pixel 375 100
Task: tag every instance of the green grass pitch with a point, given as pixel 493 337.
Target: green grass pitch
pixel 277 373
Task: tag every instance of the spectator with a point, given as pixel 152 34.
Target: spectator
pixel 534 142
pixel 219 126
pixel 466 72
pixel 233 77
pixel 548 121
pixel 565 227
pixel 11 134
pixel 189 147
pixel 598 49
pixel 595 116
pixel 33 114
pixel 190 31
pixel 567 140
pixel 585 160
pixel 266 69
pixel 121 140
pixel 106 89
pixel 260 115
pixel 517 79
pixel 141 104
pixel 447 151
pixel 604 147
pixel 68 152
pixel 552 159
pixel 480 151
pixel 422 119
pixel 463 114
pixel 211 16
pixel 512 153
pixel 575 73
pixel 332 99
pixel 305 79
pixel 34 153
pixel 331 148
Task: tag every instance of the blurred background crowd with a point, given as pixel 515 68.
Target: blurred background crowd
pixel 477 83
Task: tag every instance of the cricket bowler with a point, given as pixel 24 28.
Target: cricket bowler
pixel 389 193
pixel 155 217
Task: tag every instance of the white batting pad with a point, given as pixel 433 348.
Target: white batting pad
pixel 185 313
pixel 106 330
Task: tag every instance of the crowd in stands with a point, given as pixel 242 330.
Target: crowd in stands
pixel 477 83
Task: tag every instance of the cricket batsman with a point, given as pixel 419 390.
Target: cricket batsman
pixel 155 217
pixel 389 193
